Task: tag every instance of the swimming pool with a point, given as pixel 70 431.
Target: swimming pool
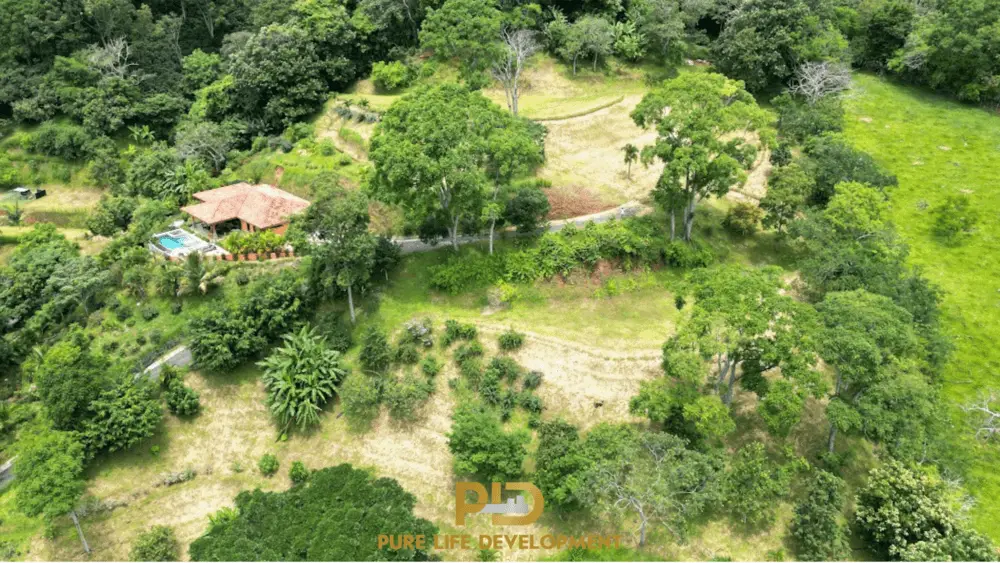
pixel 171 243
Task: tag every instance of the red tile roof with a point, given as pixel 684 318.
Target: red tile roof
pixel 262 206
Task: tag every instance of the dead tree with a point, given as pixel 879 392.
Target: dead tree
pixel 518 46
pixel 984 414
pixel 817 80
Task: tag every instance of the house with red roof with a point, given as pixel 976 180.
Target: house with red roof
pixel 256 207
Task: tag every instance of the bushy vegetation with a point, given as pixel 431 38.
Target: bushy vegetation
pixel 156 544
pixel 510 340
pixel 628 244
pixel 259 242
pixel 268 465
pixel 225 337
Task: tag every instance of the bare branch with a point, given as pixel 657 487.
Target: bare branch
pixel 817 80
pixel 518 46
pixel 984 414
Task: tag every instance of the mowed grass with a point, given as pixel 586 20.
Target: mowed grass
pixel 937 148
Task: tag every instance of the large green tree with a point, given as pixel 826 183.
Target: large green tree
pixel 817 528
pixel 765 41
pixel 68 377
pixel 906 515
pixel 657 481
pixel 465 29
pixel 342 250
pixel 437 150
pixel 866 338
pixel 50 476
pixel 337 515
pixel 703 140
pixel 742 322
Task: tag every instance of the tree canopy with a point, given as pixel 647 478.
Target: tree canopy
pixel 336 515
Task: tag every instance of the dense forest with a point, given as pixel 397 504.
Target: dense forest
pixel 828 343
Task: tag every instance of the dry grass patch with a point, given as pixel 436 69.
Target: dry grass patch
pixel 584 155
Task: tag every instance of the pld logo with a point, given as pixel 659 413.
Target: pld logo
pixel 512 512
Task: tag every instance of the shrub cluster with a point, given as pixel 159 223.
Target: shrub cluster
pixel 225 337
pixel 510 340
pixel 454 330
pixel 63 140
pixel 628 244
pixel 391 76
pixel 260 242
pixel 268 465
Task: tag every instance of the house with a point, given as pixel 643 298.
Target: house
pixel 255 207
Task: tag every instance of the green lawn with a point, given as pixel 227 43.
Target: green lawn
pixel 938 147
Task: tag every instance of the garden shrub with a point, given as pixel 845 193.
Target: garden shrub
pixel 472 370
pixel 469 350
pixel 375 353
pixel 406 353
pixel 156 544
pixel 404 396
pixel 242 278
pixel 149 313
pixel 181 399
pixel 268 465
pixel 176 307
pixel 510 340
pixel 298 473
pixel 505 368
pixel 259 242
pixel 683 255
pixel 955 218
pixel 532 380
pixel 743 219
pixel 359 397
pixel 389 76
pixel 430 366
pixel 531 403
pixel 489 388
pixel 340 336
pixel 628 244
pixel 454 330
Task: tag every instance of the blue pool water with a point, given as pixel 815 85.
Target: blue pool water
pixel 171 243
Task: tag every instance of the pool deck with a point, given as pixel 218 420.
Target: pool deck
pixel 189 242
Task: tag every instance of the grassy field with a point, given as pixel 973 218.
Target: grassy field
pixel 938 147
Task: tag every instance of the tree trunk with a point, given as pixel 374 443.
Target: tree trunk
pixel 79 531
pixel 642 530
pixel 350 303
pixel 728 399
pixel 493 225
pixel 453 233
pixel 574 64
pixel 833 438
pixel 673 224
pixel 595 62
pixel 628 171
pixel 688 220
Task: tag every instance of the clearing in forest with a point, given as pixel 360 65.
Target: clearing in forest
pixel 907 130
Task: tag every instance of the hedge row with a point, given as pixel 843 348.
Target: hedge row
pixel 627 244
